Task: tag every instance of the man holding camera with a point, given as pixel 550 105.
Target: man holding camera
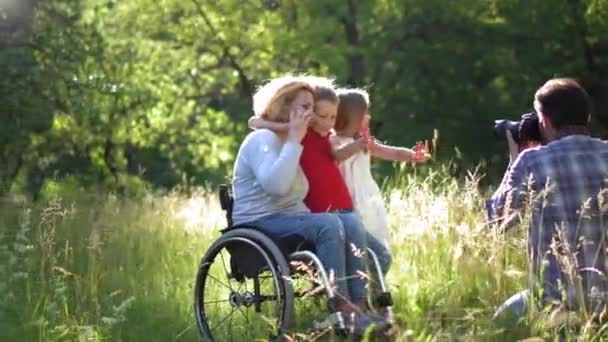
pixel 563 187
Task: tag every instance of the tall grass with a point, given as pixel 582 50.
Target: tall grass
pixel 102 267
pixel 96 267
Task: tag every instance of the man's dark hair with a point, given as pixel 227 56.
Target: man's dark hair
pixel 564 102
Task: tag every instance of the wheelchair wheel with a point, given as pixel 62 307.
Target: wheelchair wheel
pixel 243 291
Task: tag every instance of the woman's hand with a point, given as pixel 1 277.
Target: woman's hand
pixel 298 124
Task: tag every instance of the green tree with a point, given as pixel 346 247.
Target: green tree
pixel 113 93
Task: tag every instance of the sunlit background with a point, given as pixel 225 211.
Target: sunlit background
pixel 119 119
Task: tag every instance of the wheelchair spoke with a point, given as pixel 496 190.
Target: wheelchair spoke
pixel 230 327
pixel 247 320
pixel 269 288
pixel 224 320
pixel 216 301
pixel 219 282
pixel 226 270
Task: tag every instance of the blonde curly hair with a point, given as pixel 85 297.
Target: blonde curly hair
pixel 271 101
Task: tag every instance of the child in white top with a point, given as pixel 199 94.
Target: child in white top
pixel 353 146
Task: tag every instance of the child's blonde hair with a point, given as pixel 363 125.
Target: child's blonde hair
pixel 353 105
pixel 271 101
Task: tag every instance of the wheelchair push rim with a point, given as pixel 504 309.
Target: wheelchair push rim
pixel 233 306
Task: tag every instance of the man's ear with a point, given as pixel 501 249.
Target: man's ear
pixel 546 126
pixel 544 120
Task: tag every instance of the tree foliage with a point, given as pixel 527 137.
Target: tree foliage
pixel 121 93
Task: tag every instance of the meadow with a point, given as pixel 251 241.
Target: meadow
pixel 81 266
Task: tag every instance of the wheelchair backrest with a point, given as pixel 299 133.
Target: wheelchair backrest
pixel 226 201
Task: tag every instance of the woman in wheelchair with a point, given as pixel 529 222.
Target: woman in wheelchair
pixel 268 220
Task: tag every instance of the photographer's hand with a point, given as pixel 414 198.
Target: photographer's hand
pixel 513 148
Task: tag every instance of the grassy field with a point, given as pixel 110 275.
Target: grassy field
pixel 90 267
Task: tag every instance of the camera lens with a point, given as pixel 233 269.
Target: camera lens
pixel 502 126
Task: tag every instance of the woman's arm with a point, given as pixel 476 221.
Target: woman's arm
pixel 256 122
pixel 275 163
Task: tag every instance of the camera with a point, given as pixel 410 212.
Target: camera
pixel 526 129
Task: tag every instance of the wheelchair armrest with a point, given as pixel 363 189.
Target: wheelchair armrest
pixel 226 199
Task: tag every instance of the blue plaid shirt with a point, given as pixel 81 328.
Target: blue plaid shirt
pixel 562 183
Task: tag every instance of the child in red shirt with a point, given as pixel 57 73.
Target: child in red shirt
pixel 328 191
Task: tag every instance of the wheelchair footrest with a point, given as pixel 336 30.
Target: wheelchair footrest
pixel 333 321
pixel 384 299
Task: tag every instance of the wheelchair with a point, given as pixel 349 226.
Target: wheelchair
pixel 244 287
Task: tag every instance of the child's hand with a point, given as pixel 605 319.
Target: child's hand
pixel 366 136
pixel 254 122
pixel 421 152
pixel 362 142
pixel 365 122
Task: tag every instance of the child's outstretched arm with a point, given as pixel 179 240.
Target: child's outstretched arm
pixel 256 122
pixel 395 153
pixel 348 150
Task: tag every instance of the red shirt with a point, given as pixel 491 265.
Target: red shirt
pixel 327 189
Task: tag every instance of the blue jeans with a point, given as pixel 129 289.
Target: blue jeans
pixel 324 231
pixel 384 255
pixel 355 249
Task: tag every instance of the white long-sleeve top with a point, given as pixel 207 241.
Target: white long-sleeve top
pixel 267 178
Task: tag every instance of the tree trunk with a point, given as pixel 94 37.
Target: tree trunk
pixel 356 61
pixel 594 79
